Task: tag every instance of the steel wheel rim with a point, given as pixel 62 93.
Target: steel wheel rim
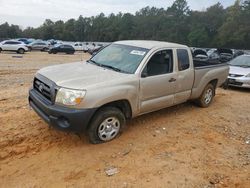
pixel 208 96
pixel 109 129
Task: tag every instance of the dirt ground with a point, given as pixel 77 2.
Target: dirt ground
pixel 182 146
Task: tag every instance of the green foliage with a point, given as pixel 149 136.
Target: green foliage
pixel 213 27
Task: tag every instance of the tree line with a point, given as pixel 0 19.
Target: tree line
pixel 214 27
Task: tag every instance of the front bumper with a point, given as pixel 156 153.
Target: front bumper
pixel 243 82
pixel 60 117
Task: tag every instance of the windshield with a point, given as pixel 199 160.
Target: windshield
pixel 241 61
pixel 121 58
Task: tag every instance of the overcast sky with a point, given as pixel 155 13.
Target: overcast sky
pixel 34 12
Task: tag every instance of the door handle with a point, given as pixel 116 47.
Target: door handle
pixel 172 80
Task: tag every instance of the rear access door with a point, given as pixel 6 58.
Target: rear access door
pixel 185 76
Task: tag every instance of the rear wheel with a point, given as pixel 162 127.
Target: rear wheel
pixel 0 50
pixel 20 51
pixel 207 96
pixel 106 125
pixel 44 49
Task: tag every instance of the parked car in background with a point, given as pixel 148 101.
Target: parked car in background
pixel 239 73
pixel 220 54
pixel 14 46
pixel 42 46
pixel 62 48
pixel 95 49
pixel 237 53
pixel 78 46
pixel 24 40
pixel 226 55
pixel 124 80
pixel 51 41
pixel 199 53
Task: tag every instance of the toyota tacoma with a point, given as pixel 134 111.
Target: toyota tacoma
pixel 123 80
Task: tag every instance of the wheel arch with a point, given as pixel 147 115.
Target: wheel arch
pixel 214 83
pixel 123 105
pixel 21 48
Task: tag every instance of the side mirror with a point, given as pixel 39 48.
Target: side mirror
pixel 94 53
pixel 144 75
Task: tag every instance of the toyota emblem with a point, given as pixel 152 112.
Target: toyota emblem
pixel 41 88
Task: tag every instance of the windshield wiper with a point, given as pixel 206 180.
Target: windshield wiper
pixel 106 66
pixel 113 68
pixel 94 62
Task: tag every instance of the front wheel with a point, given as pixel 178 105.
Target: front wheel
pixel 106 125
pixel 207 96
pixel 0 50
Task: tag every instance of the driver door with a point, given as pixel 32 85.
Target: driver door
pixel 157 82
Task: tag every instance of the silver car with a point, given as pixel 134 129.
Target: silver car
pixel 239 74
pixel 42 46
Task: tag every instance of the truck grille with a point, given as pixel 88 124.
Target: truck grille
pixel 45 89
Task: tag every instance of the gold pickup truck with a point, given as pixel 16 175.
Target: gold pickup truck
pixel 123 80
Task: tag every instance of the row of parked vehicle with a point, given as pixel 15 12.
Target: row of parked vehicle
pixel 219 55
pixel 51 46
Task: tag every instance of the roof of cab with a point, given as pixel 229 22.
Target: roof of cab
pixel 149 44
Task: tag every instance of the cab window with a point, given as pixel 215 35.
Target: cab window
pixel 183 59
pixel 160 63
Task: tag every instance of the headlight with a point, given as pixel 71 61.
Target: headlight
pixel 69 97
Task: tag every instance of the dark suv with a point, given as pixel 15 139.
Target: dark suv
pixel 62 48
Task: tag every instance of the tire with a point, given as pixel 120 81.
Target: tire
pixel 0 50
pixel 106 125
pixel 44 49
pixel 54 52
pixel 225 85
pixel 207 96
pixel 49 52
pixel 20 51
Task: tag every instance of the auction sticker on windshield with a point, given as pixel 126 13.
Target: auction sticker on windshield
pixel 137 52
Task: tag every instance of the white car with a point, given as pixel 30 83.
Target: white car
pixel 15 46
pixel 239 74
pixel 80 47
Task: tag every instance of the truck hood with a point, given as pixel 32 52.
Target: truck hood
pixel 239 70
pixel 80 75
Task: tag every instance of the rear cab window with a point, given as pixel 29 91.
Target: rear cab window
pixel 183 59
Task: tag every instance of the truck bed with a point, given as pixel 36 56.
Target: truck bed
pixel 201 63
pixel 206 71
